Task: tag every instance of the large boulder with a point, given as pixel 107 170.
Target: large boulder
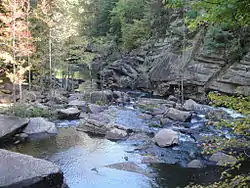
pixel 178 115
pixel 192 105
pixel 9 126
pixel 223 159
pixel 18 170
pixel 166 137
pixel 81 105
pixel 40 126
pixel 69 113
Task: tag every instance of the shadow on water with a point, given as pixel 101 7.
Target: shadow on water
pixel 172 176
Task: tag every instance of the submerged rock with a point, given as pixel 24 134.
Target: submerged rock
pixel 130 167
pixel 218 115
pixel 18 170
pixel 9 126
pixel 196 164
pixel 166 137
pixel 69 113
pixel 40 126
pixel 223 159
pixel 177 115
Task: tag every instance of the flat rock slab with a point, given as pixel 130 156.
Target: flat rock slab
pixel 23 171
pixel 9 126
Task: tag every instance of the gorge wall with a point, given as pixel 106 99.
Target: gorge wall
pixel 161 64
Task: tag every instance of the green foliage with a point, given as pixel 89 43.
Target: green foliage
pixel 235 146
pixel 25 111
pixel 241 181
pixel 134 34
pixel 240 103
pixel 128 15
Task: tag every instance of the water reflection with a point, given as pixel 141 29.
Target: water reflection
pixel 77 154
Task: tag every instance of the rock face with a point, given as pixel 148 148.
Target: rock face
pixel 9 126
pixel 166 137
pixel 163 65
pixel 69 113
pixel 40 126
pixel 177 115
pixel 18 170
pixel 223 159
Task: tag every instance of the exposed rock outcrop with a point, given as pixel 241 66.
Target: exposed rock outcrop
pixel 18 170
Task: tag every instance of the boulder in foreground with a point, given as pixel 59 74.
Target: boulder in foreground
pixel 23 171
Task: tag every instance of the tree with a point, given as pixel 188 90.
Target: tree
pixel 16 39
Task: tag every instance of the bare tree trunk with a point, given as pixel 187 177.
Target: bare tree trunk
pixel 20 92
pixel 50 57
pixel 67 77
pixel 29 73
pixel 14 50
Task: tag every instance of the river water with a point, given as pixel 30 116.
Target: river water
pixel 83 159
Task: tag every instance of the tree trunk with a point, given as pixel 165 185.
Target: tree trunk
pixel 50 57
pixel 29 72
pixel 14 51
pixel 20 92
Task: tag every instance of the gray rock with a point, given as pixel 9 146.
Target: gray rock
pixel 165 121
pixel 83 115
pixel 173 98
pixel 196 164
pixel 94 108
pixel 218 115
pixel 192 105
pixel 9 126
pixel 81 105
pixel 40 126
pixel 223 159
pixel 130 167
pixel 94 127
pixel 105 96
pixel 116 134
pixel 177 115
pixel 18 170
pixel 151 159
pixel 69 113
pixel 166 137
pixel 101 117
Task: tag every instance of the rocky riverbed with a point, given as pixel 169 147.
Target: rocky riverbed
pixel 124 140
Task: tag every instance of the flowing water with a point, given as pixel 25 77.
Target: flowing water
pixel 83 159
